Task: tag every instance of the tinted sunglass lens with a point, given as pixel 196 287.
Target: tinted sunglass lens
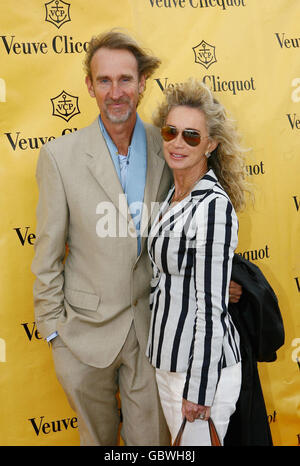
pixel 192 138
pixel 168 133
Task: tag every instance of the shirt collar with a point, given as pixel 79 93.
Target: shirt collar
pixel 206 183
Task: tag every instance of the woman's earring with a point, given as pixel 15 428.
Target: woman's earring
pixel 207 154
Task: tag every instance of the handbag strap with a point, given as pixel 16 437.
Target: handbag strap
pixel 214 437
pixel 177 441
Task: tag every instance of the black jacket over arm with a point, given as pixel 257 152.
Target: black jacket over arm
pixel 258 320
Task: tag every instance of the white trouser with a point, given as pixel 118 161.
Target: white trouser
pixel 171 385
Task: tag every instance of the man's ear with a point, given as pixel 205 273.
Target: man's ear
pixel 90 86
pixel 142 83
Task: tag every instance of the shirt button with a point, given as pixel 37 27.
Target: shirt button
pixel 131 230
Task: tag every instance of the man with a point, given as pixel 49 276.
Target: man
pixel 98 301
pixel 94 306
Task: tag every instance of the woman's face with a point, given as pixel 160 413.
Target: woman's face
pixel 178 153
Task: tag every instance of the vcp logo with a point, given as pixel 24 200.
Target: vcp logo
pixel 65 106
pixel 57 12
pixel 205 54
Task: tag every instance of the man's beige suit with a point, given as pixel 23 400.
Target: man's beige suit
pixel 93 298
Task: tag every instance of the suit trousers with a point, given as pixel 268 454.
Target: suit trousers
pixel 171 385
pixel 92 393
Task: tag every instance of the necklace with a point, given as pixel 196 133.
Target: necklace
pixel 182 195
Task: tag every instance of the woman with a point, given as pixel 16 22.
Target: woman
pixel 193 343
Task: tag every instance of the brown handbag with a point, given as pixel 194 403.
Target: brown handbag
pixel 214 437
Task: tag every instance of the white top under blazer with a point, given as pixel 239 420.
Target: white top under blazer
pixel 191 246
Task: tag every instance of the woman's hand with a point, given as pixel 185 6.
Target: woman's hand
pixel 235 292
pixel 193 411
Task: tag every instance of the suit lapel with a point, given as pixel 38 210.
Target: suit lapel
pixel 155 167
pixel 102 168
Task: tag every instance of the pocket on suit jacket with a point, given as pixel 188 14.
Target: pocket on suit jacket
pixel 82 299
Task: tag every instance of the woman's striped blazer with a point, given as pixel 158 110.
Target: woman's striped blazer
pixel 191 246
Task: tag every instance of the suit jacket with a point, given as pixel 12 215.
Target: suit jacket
pixel 191 247
pixel 93 296
pixel 258 320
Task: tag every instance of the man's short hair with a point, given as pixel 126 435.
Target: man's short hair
pixel 116 40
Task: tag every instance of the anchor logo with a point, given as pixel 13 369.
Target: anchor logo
pixel 65 106
pixel 205 54
pixel 57 12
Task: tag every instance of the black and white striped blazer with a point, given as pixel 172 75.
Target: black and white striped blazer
pixel 191 246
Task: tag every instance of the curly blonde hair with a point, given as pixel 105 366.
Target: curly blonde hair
pixel 227 160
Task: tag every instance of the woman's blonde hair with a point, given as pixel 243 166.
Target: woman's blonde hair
pixel 227 160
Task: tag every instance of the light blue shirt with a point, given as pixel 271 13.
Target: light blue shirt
pixel 131 170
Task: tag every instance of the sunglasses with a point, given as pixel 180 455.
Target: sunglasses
pixel 190 136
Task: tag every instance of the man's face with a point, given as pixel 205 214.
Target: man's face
pixel 115 84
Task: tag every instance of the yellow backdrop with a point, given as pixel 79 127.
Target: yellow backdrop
pixel 248 52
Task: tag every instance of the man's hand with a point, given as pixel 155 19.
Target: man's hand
pixel 193 411
pixel 235 292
